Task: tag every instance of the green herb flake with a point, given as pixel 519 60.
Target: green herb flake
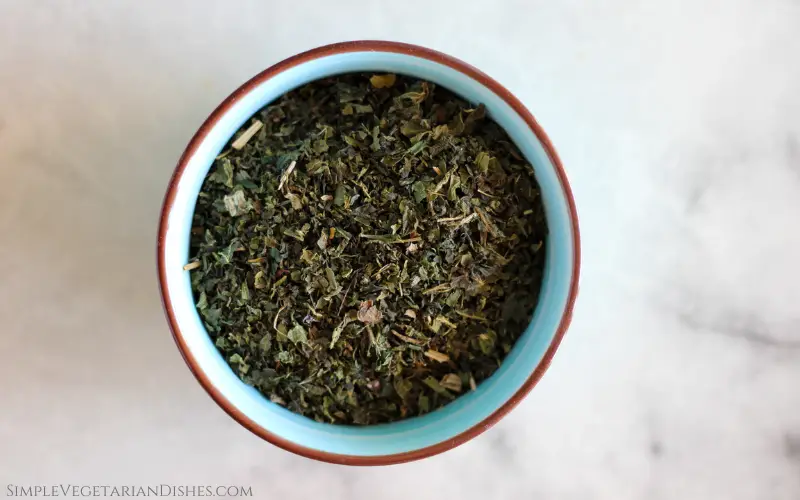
pixel 367 248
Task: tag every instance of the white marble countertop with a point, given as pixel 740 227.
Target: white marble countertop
pixel 678 122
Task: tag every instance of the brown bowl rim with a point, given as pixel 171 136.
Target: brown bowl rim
pixel 328 50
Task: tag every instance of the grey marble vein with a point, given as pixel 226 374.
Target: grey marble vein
pixel 792 446
pixel 747 328
pixel 793 154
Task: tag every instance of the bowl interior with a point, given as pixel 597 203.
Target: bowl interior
pixel 412 434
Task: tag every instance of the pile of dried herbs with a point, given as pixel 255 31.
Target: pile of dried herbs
pixel 367 248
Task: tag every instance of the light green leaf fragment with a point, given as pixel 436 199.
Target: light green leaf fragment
pixel 237 203
pixel 337 332
pixel 298 335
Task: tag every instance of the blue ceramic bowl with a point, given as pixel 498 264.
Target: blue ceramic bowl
pixel 414 438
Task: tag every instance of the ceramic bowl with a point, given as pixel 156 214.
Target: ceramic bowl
pixel 414 438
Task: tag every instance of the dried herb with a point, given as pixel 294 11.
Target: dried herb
pixel 368 248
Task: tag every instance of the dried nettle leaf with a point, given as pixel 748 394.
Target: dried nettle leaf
pixel 367 249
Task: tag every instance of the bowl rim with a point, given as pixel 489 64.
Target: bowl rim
pixel 224 107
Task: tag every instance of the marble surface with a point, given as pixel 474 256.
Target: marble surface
pixel 677 121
